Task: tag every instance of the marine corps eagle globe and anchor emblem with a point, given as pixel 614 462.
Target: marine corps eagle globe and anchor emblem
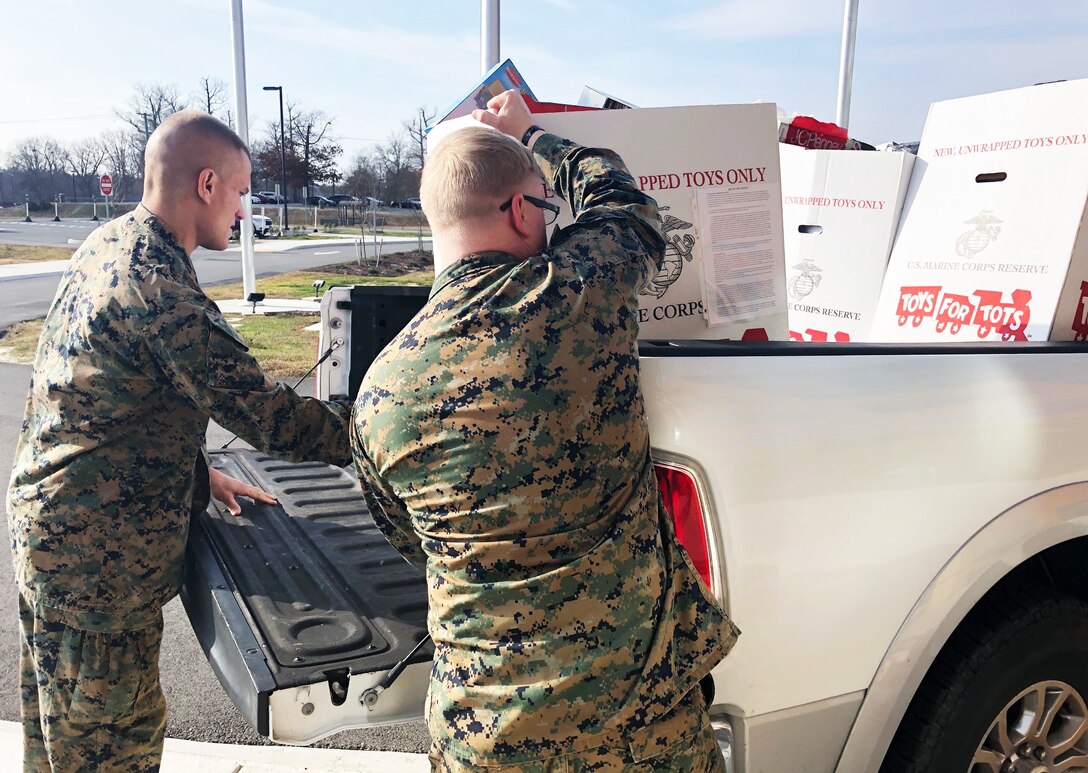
pixel 677 249
pixel 805 282
pixel 986 228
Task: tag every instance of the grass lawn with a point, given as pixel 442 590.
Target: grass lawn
pixel 300 284
pixel 18 342
pixel 26 253
pixel 280 342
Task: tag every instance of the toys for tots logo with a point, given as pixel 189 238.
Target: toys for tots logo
pixel 986 310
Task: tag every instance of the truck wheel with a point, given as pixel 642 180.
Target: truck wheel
pixel 1007 694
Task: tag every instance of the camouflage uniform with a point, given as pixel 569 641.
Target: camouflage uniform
pixel 111 462
pixel 502 443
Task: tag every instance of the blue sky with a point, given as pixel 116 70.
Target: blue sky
pixel 370 65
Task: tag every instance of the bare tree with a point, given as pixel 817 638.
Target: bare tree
pixel 29 159
pixel 365 176
pixel 399 173
pixel 213 95
pixel 310 151
pixel 120 162
pixel 85 158
pixel 416 126
pixel 152 104
pixel 317 151
pixel 43 162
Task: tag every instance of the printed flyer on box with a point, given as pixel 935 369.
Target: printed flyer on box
pixel 743 272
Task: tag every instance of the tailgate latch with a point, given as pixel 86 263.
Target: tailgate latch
pixel 369 698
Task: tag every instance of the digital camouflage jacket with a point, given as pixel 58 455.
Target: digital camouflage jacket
pixel 132 361
pixel 502 443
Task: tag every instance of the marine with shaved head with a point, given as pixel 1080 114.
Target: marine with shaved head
pixel 111 462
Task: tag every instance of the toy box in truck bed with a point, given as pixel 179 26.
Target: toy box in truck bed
pixel 900 531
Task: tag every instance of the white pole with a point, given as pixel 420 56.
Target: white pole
pixel 489 35
pixel 846 63
pixel 249 280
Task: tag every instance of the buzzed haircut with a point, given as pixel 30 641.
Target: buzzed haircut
pixel 182 145
pixel 470 173
pixel 207 126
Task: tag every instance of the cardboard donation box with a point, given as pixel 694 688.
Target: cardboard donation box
pixel 714 172
pixel 840 209
pixel 993 239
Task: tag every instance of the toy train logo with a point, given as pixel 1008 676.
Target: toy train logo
pixel 1080 321
pixel 987 311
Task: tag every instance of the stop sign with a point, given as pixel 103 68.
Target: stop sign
pixel 106 185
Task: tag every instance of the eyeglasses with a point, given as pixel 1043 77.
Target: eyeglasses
pixel 551 211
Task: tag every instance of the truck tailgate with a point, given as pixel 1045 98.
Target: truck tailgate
pixel 303 606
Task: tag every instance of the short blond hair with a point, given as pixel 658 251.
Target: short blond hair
pixel 470 173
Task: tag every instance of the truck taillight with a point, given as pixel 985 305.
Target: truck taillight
pixel 681 496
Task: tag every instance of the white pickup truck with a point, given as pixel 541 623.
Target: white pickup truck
pixel 900 531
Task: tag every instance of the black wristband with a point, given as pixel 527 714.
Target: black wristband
pixel 529 134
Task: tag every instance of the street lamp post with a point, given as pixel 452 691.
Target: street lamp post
pixel 283 155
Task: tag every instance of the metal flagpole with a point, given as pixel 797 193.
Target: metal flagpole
pixel 846 63
pixel 249 281
pixel 489 35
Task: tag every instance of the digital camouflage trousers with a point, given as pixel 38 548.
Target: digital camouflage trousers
pixel 681 742
pixel 91 700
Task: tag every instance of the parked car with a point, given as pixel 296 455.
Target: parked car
pixel 373 202
pixel 255 198
pixel 412 203
pixel 270 197
pixel 319 201
pixel 343 198
pixel 262 226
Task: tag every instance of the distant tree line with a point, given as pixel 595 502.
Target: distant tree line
pixel 44 168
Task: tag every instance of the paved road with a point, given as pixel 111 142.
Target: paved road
pixel 45 233
pixel 29 298
pixel 199 710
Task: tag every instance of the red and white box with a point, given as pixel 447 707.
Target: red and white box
pixel 840 209
pixel 732 274
pixel 993 239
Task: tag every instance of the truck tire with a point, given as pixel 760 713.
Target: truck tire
pixel 1007 693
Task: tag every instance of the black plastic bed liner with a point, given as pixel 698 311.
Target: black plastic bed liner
pixel 293 594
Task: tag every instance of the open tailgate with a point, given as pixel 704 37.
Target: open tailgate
pixel 303 606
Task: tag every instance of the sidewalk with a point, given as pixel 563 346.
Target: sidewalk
pixel 195 757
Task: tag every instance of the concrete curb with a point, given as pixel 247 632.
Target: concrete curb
pixel 269 306
pixel 197 757
pixel 286 245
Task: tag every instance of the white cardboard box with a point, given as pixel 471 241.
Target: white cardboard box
pixel 993 239
pixel 674 152
pixel 840 209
